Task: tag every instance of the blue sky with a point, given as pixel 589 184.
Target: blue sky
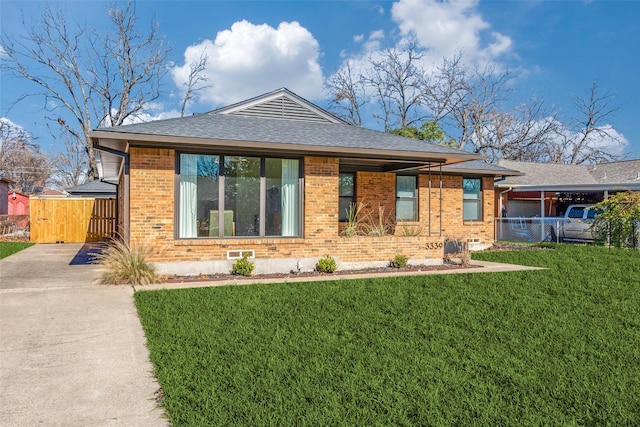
pixel 556 49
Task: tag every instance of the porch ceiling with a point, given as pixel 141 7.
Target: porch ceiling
pixel 386 165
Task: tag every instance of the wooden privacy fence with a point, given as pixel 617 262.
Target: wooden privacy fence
pixel 72 220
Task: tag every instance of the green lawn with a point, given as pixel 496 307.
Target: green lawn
pixel 10 248
pixel 552 347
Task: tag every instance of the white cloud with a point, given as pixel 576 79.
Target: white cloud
pixel 358 38
pixel 150 117
pixel 374 42
pixel 10 128
pixel 608 139
pixel 443 29
pixel 248 60
pixel 448 27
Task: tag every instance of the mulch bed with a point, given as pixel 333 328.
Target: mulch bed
pixel 293 275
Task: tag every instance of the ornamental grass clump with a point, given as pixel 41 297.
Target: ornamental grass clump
pixel 126 263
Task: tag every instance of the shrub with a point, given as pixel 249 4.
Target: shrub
pixel 617 221
pixel 124 262
pixel 400 261
pixel 327 264
pixel 243 267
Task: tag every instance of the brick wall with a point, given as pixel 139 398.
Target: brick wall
pixel 452 225
pixel 377 190
pixel 152 210
pixel 151 197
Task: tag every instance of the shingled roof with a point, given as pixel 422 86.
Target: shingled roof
pixel 276 122
pixel 559 177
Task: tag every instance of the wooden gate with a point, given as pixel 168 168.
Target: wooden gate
pixel 72 220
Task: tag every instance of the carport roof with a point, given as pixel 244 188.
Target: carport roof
pixel 624 175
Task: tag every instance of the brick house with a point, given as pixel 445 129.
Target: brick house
pixel 273 177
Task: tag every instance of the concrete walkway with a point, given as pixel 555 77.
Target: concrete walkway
pixel 72 352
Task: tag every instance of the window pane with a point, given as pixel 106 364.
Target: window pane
pixel 347 184
pixel 471 188
pixel 472 211
pixel 472 199
pixel 576 213
pixel 405 186
pixel 199 177
pixel 242 196
pixel 344 205
pixel 282 207
pixel 406 198
pixel 406 210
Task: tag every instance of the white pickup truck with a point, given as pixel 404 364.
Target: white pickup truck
pixel 576 223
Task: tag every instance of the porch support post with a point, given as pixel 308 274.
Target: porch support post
pixel 429 206
pixel 542 215
pixel 440 229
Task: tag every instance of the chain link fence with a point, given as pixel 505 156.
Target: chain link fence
pixel 536 229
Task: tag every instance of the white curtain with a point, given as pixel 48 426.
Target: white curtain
pixel 188 195
pixel 289 198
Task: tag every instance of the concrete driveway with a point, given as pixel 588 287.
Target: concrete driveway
pixel 72 352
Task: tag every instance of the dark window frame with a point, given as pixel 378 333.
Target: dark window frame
pixel 414 199
pixel 351 199
pixel 221 187
pixel 478 211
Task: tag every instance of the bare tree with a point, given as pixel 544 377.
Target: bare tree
pixel 69 166
pixel 397 80
pixel 524 133
pixel 347 94
pixel 589 138
pixel 194 80
pixel 95 79
pixel 445 87
pixel 21 160
pixel 475 104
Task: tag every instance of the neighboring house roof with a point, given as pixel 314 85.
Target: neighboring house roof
pixel 18 194
pixel 279 121
pixel 93 189
pixel 50 192
pixel 627 171
pixel 558 177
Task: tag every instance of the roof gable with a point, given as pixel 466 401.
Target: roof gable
pixel 280 104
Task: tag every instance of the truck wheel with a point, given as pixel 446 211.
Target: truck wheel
pixel 549 234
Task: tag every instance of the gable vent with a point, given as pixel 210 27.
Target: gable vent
pixel 281 108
